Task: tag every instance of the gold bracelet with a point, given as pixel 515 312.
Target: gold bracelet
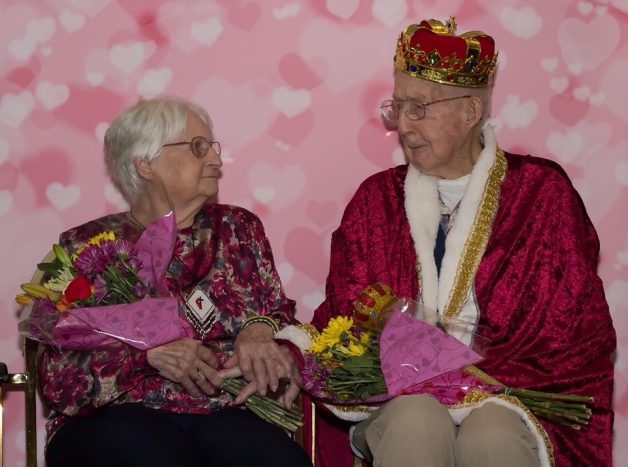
pixel 261 319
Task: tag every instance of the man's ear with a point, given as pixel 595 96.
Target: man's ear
pixel 144 168
pixel 475 108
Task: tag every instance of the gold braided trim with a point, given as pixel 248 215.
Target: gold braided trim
pixel 309 330
pixel 475 245
pixel 475 397
pixel 353 408
pixel 479 374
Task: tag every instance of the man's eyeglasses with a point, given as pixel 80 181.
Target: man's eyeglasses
pixel 414 109
pixel 199 146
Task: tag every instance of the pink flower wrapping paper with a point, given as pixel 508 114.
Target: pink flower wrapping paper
pixel 144 324
pixel 413 352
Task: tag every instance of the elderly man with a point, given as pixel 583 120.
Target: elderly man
pixel 483 235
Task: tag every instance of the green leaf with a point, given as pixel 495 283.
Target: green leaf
pixel 50 267
pixel 361 361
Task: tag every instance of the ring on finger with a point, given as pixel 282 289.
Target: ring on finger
pixel 199 378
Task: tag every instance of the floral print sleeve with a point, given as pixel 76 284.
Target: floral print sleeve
pixel 78 382
pixel 272 296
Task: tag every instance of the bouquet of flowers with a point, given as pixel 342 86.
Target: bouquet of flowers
pixel 112 289
pixel 393 346
pixel 109 289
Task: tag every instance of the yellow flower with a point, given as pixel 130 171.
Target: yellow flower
pixel 330 336
pixel 103 236
pixel 317 347
pixel 95 240
pixel 353 350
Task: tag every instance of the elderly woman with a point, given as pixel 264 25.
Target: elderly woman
pixel 164 407
pixel 481 235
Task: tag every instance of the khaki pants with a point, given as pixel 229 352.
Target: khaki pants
pixel 417 431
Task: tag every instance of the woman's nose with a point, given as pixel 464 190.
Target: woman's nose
pixel 214 158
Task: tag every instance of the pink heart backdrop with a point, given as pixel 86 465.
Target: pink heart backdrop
pixel 293 87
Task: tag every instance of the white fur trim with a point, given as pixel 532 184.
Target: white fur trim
pixel 355 417
pixel 423 213
pixel 460 414
pixel 296 336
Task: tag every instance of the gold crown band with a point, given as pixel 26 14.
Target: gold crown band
pixel 443 76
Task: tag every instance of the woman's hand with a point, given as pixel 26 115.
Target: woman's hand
pixel 259 358
pixel 289 385
pixel 186 361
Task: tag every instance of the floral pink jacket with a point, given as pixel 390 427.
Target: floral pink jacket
pixel 226 250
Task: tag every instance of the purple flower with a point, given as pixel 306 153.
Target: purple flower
pixel 92 260
pixel 123 252
pixel 315 374
pixel 100 288
pixel 121 249
pixel 141 290
pixel 134 263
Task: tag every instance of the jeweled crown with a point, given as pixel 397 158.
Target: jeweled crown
pixel 431 50
pixel 371 302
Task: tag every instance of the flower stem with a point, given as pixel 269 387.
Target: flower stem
pixel 266 408
pixel 545 395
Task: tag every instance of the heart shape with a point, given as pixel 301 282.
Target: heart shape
pixel 568 110
pixel 298 74
pixel 321 213
pixel 292 130
pixel 23 76
pixel 305 249
pixel 245 16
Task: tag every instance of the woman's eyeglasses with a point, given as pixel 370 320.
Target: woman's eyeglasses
pixel 199 145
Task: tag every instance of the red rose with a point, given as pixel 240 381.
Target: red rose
pixel 79 288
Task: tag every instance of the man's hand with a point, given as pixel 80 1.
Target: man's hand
pixel 288 386
pixel 259 358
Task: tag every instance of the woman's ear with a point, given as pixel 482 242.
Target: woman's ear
pixel 144 168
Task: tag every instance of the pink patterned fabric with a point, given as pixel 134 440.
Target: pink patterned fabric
pixel 413 352
pixel 537 289
pixel 225 251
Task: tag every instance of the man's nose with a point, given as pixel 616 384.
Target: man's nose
pixel 403 123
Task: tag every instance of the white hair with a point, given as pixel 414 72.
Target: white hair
pixel 139 132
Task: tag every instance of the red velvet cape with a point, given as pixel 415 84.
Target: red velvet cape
pixel 537 288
